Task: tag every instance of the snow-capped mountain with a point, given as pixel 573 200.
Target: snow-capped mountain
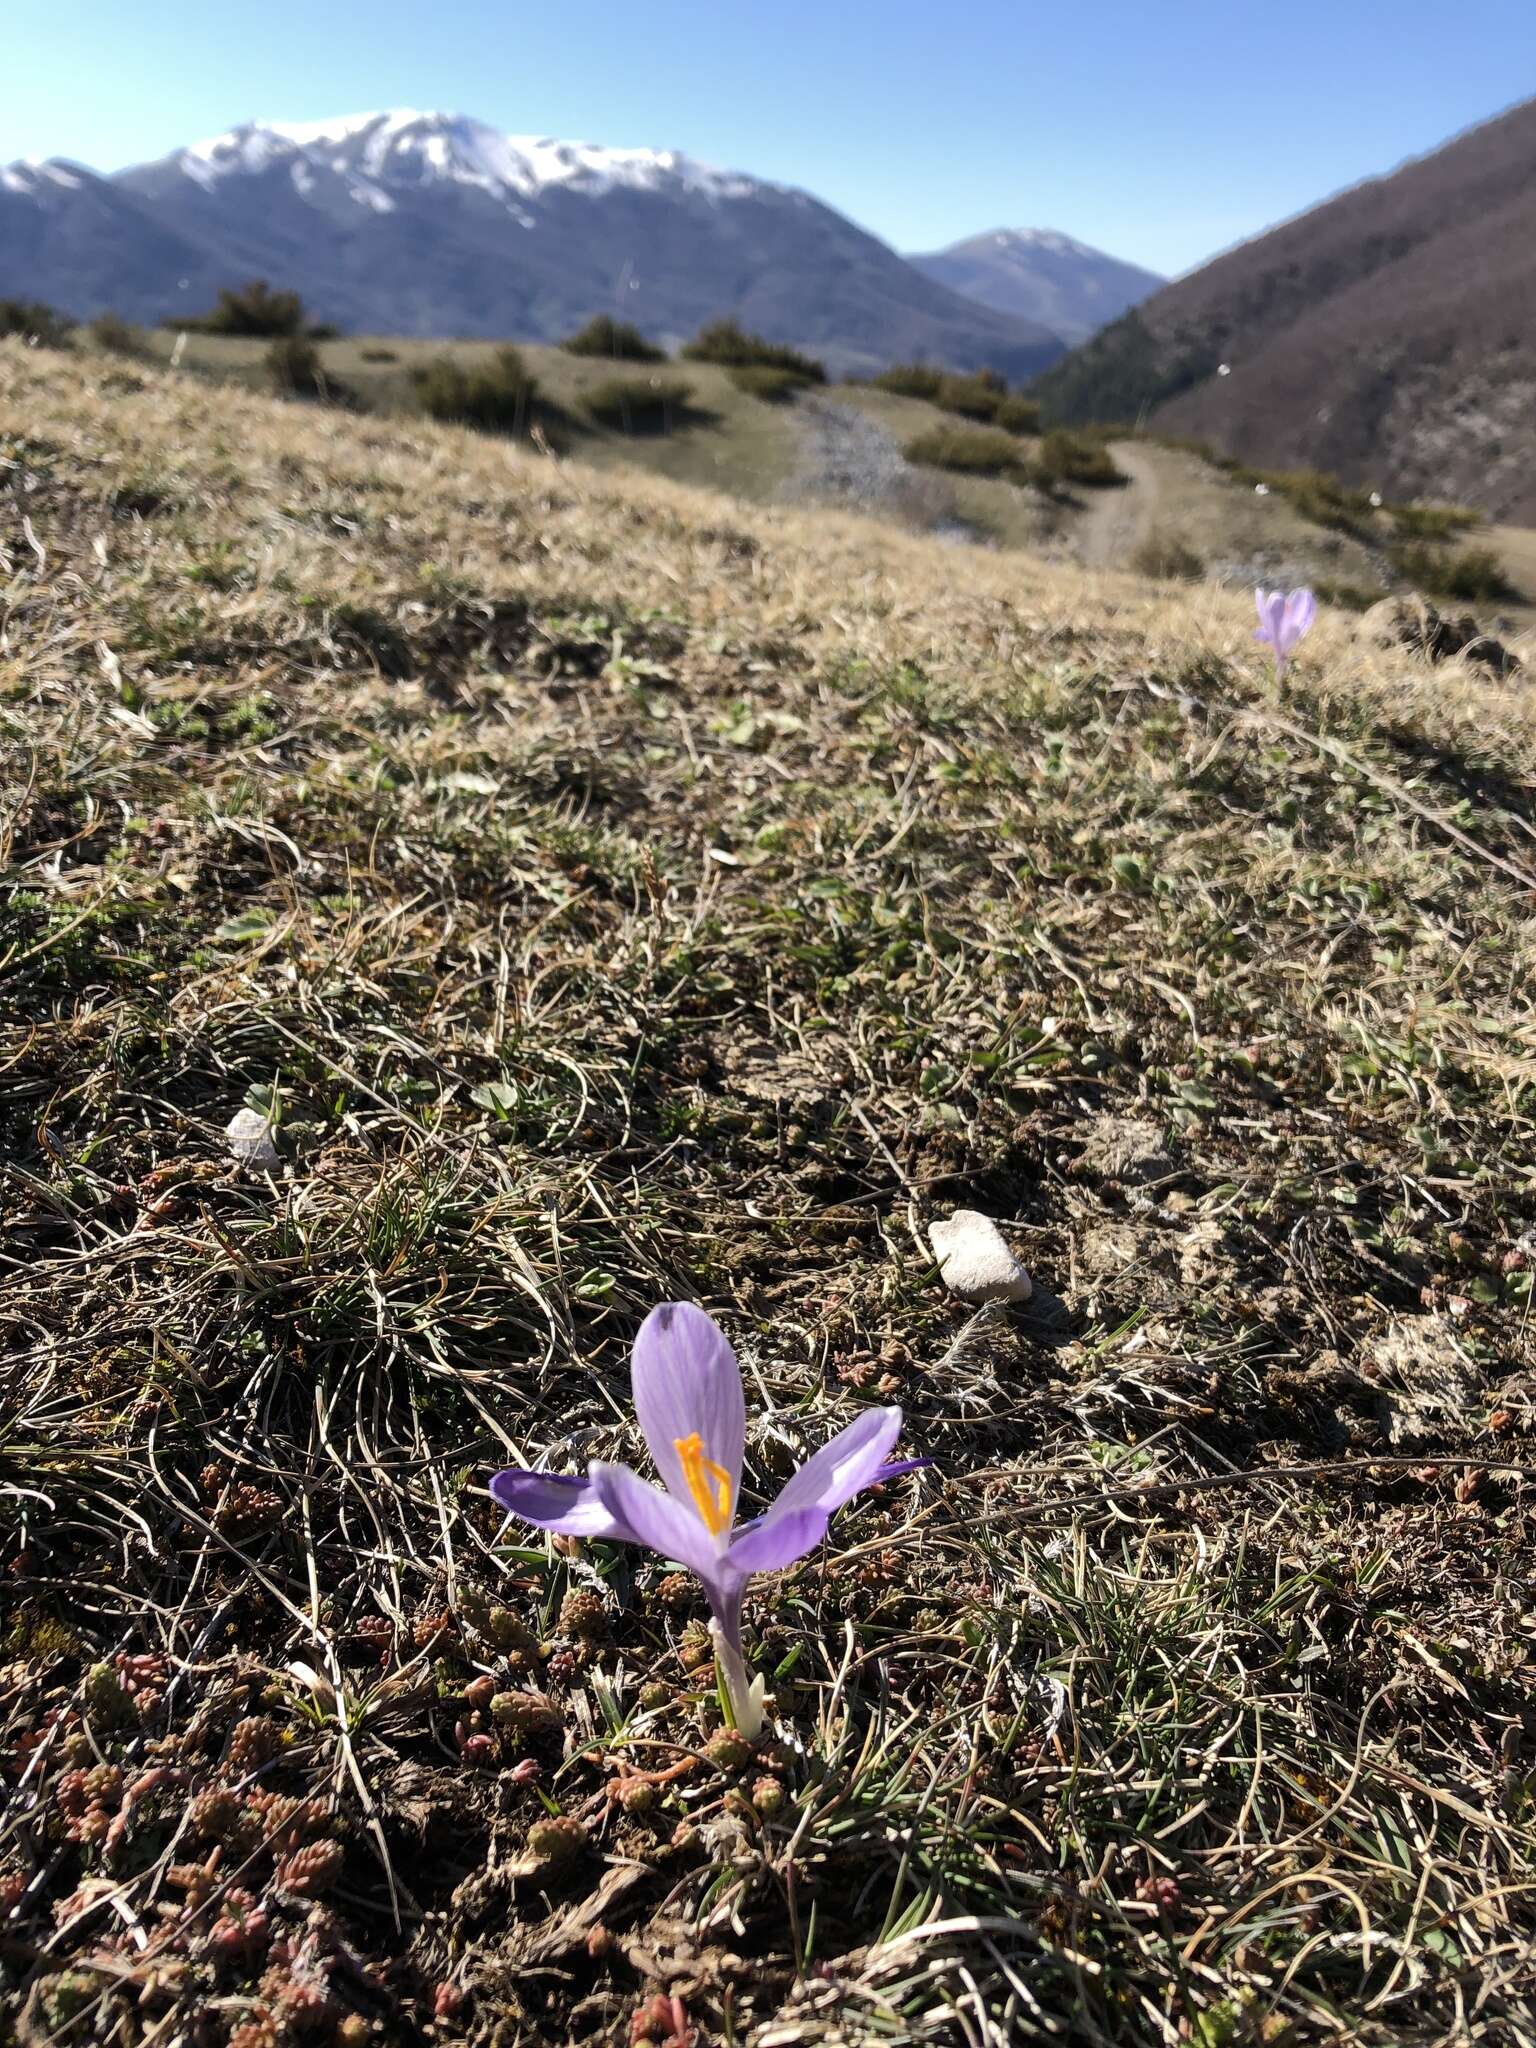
pixel 77 241
pixel 1037 274
pixel 374 152
pixel 434 224
pixel 33 177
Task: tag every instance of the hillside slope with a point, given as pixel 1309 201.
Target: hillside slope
pixel 1388 336
pixel 1041 275
pixel 80 242
pixel 604 893
pixel 435 224
pixel 801 452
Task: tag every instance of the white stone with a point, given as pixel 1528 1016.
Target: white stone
pixel 974 1259
pixel 250 1141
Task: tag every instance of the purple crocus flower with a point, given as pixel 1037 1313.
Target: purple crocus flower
pixel 1283 620
pixel 688 1397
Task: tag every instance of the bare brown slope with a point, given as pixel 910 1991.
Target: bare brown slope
pixel 1388 334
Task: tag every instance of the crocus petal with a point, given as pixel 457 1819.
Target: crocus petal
pixel 900 1469
pixel 1300 611
pixel 1261 601
pixel 566 1506
pixel 687 1383
pixel 642 1513
pixel 779 1540
pixel 843 1467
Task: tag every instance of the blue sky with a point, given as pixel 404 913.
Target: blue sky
pixel 1162 133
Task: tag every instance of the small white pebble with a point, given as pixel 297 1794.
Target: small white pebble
pixel 975 1261
pixel 250 1141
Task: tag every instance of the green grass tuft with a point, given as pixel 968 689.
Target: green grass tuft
pixel 724 342
pixel 1471 575
pixel 640 405
pixel 614 339
pixel 972 451
pixel 496 396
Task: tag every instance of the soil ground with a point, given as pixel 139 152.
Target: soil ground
pixel 611 892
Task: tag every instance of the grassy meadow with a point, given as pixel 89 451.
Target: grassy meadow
pixel 614 892
pixel 729 441
pixel 733 439
pixel 1181 516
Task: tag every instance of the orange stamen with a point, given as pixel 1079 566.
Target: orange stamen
pixel 714 1507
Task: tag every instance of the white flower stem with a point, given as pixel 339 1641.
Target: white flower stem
pixel 744 1695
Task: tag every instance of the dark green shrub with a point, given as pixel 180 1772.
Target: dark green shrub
pixel 974 398
pixel 760 380
pixel 605 336
pixel 723 341
pixel 293 363
pixel 973 451
pixel 35 322
pixel 1475 576
pixel 1016 415
pixel 1346 597
pixel 1313 493
pixel 910 380
pixel 252 309
pixel 1433 522
pixel 639 405
pixel 496 396
pixel 1078 458
pixel 1168 558
pixel 1317 496
pixel 113 333
pixel 380 355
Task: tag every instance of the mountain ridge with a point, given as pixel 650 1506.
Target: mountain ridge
pixel 1043 274
pixel 447 146
pixel 1387 334
pixel 434 224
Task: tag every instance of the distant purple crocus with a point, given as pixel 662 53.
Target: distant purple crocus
pixel 1283 621
pixel 687 1389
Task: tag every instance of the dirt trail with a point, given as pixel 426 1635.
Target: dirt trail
pixel 1118 521
pixel 844 455
pixel 847 458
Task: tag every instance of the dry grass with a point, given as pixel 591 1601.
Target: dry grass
pixel 729 437
pixel 623 894
pixel 1242 536
pixel 730 440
